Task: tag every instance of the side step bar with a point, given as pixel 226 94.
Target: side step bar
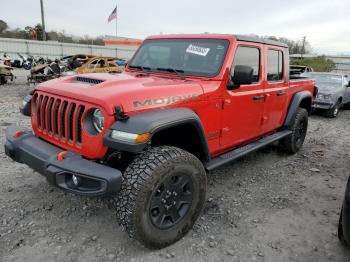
pixel 244 150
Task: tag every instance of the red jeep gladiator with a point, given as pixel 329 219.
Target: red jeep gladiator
pixel 185 105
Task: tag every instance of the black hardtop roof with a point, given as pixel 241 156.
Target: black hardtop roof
pixel 255 39
pixel 247 38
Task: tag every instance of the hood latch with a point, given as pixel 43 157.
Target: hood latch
pixel 120 114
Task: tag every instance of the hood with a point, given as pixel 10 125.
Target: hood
pixel 328 88
pixel 133 92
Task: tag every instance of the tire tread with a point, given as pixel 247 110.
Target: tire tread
pixel 140 174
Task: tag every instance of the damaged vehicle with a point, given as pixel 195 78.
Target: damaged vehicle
pixel 297 70
pixel 44 72
pixel 184 106
pixel 97 64
pixel 333 92
pixel 6 74
pixel 74 61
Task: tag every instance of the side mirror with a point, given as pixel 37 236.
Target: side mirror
pixel 243 75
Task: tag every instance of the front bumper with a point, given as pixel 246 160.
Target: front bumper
pixel 317 104
pixel 94 179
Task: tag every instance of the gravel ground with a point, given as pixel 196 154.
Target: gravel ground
pixel 268 206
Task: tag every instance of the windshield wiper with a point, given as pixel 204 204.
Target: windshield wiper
pixel 144 69
pixel 179 72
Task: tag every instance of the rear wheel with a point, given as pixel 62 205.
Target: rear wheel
pixel 162 195
pixel 294 142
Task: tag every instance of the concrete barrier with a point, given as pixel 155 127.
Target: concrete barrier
pixel 55 50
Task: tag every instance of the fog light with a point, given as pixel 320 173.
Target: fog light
pixel 76 180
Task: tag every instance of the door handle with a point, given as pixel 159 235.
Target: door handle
pixel 256 98
pixel 281 93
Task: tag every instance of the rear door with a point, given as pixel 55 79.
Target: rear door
pixel 243 107
pixel 276 88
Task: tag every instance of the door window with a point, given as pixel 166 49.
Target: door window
pixel 274 65
pixel 248 56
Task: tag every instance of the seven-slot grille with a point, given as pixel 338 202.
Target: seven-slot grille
pixel 59 118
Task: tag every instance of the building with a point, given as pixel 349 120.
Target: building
pixel 121 41
pixel 125 46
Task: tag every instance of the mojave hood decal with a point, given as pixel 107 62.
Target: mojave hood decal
pixel 163 100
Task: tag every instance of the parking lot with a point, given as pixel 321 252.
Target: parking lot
pixel 268 206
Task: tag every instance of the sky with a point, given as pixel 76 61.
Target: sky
pixel 325 23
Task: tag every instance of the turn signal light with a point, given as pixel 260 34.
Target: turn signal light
pixel 142 138
pixel 130 137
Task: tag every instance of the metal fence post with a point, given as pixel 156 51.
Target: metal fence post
pixel 62 53
pixel 27 47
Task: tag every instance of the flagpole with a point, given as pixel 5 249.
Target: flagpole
pixel 116 25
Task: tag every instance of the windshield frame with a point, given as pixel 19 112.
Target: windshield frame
pixel 186 74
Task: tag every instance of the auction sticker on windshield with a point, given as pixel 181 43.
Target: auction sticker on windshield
pixel 197 50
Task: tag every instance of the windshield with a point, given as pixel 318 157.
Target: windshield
pixel 326 79
pixel 196 57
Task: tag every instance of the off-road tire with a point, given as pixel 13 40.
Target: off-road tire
pixel 346 106
pixel 141 179
pixel 340 230
pixel 3 80
pixel 293 142
pixel 334 111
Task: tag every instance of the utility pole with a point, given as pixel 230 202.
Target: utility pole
pixel 43 19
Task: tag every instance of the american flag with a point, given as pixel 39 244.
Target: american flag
pixel 113 15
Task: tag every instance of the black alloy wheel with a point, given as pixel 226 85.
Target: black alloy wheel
pixel 171 201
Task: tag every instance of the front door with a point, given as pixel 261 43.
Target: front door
pixel 243 107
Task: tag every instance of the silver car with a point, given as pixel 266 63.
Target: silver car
pixel 333 92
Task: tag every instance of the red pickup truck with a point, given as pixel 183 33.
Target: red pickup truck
pixel 186 104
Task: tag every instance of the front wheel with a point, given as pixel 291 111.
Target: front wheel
pixel 3 80
pixel 334 111
pixel 162 195
pixel 347 106
pixel 294 142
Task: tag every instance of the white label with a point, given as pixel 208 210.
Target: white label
pixel 197 50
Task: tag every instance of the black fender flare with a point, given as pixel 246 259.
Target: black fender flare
pixel 295 103
pixel 153 122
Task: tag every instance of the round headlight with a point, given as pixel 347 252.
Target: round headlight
pixel 98 120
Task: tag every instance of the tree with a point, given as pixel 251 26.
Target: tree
pixel 39 31
pixel 3 26
pixel 36 33
pixel 295 47
pixel 31 32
